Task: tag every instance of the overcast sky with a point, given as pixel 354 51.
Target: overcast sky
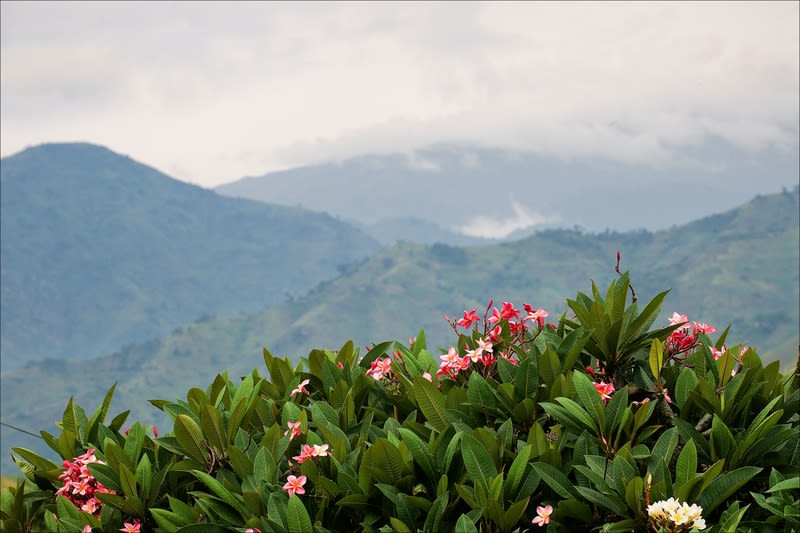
pixel 210 92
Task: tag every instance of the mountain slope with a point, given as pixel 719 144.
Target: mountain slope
pixel 739 267
pixel 99 251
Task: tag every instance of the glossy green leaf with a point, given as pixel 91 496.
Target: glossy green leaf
pixel 297 518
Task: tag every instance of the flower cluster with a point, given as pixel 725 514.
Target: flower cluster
pixel 507 313
pixel 378 368
pixel 684 339
pixel 673 516
pixel 309 452
pixel 80 486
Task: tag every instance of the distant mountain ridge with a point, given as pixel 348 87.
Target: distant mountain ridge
pixel 467 192
pixel 89 236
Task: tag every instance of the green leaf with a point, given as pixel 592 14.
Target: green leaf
pixel 99 415
pixel 656 359
pixel 686 467
pixel 433 523
pixel 222 493
pixel 787 484
pixel 722 441
pixel 587 394
pixel 556 480
pixel 729 521
pixel 213 427
pixel 607 501
pixel 477 461
pixel 297 516
pixel 419 450
pixel 431 402
pixel 190 438
pixel 465 525
pixel 724 486
pixel 526 382
pixel 570 413
pixel 480 393
pixel 663 448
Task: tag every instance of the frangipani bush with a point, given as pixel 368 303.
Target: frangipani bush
pixel 594 421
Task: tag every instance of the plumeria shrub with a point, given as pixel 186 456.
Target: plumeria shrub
pixel 597 420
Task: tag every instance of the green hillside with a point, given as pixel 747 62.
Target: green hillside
pixel 99 251
pixel 740 267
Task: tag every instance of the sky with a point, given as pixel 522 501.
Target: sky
pixel 211 92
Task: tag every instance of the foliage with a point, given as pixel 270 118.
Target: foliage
pixel 597 421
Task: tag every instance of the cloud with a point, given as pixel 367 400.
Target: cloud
pixel 225 90
pixel 498 228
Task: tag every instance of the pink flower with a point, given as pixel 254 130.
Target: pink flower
pixel 666 396
pixel 378 368
pixel 677 319
pixel 132 527
pixel 294 485
pixel 319 450
pixel 539 315
pixel 495 318
pixel 701 327
pixel 91 506
pixel 718 353
pixel 450 358
pixel 427 376
pixel 470 317
pixel 301 388
pixel 294 427
pixel 340 365
pixel 252 530
pixel 82 487
pixel 516 327
pixel 509 311
pixel 155 432
pixel 605 390
pixel 544 515
pixel 87 457
pixel 305 453
pixel 495 333
pixel 87 529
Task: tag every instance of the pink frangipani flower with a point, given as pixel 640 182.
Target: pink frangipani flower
pixel 301 388
pixel 294 485
pixel 132 527
pixel 294 428
pixel 543 517
pixel 605 390
pixel 379 368
pixel 677 319
pixel 470 317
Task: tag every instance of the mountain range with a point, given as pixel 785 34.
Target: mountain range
pixel 100 251
pixel 466 194
pixel 84 228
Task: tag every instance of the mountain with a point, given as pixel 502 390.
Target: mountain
pixel 99 251
pixel 476 192
pixel 739 267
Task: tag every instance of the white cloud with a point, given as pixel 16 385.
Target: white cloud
pixel 224 90
pixel 497 228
